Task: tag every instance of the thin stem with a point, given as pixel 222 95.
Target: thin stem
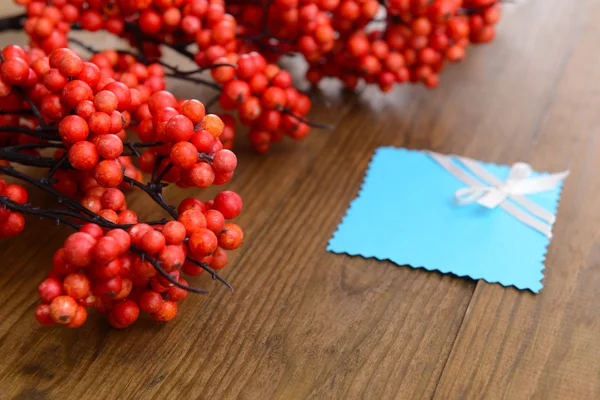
pixel 133 149
pixel 18 112
pixel 24 159
pixel 33 107
pixel 45 180
pixel 13 23
pixel 29 146
pixel 205 157
pixel 199 70
pixel 29 132
pixel 162 174
pixel 151 191
pixel 175 72
pixel 72 204
pixel 156 166
pixel 5 202
pixel 165 274
pixel 134 145
pixel 56 216
pixel 212 102
pixel 307 122
pixel 265 17
pixel 212 272
pixel 195 80
pixel 476 10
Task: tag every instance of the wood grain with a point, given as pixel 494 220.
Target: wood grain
pixel 304 323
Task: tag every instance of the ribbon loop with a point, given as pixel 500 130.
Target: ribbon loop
pixel 518 183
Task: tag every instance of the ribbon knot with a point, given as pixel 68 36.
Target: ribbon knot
pixel 518 184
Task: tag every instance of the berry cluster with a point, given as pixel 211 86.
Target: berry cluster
pixel 120 273
pixel 11 222
pixel 417 40
pixel 81 109
pixel 264 97
pixel 378 42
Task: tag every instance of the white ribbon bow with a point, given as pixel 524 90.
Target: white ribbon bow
pixel 518 184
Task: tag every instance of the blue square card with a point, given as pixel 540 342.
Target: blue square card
pixel 407 212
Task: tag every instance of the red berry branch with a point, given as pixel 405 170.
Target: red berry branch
pixel 94 127
pixel 385 42
pixel 78 111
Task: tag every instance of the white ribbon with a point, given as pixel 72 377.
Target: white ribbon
pixel 518 184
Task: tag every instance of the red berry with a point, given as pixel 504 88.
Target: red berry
pixel 192 220
pixel 224 161
pixel 109 287
pixel 79 319
pixel 121 237
pixel 137 231
pixel 78 249
pixel 126 288
pixel 85 109
pixel 174 232
pixel 75 92
pixel 175 293
pixel 273 98
pixel 201 175
pixel 76 285
pixel 108 173
pixel 113 199
pixel 166 313
pixel 83 156
pixel 219 259
pixel 16 193
pixel 108 271
pixel 109 146
pixel 14 71
pixel 42 314
pixel 191 269
pixel 150 22
pixel 152 242
pixel 202 242
pixel 172 257
pixel 99 123
pixel 122 93
pixel 194 110
pixel 73 129
pixel 63 309
pixel 184 155
pixel 229 204
pixel 125 312
pixel 13 225
pixel 54 80
pixel 106 101
pixel 105 250
pixel 150 301
pixel 49 289
pixel 90 74
pixel 92 229
pixel 179 129
pixel 215 221
pixel 231 237
pixel 91 20
pixel 213 124
pixel 191 203
pixel 203 140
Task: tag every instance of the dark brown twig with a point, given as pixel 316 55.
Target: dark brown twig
pixel 58 216
pixel 212 272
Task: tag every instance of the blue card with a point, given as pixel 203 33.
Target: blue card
pixel 406 213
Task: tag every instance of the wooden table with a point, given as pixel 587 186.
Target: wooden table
pixel 303 323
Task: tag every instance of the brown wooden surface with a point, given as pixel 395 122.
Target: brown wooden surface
pixel 304 323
